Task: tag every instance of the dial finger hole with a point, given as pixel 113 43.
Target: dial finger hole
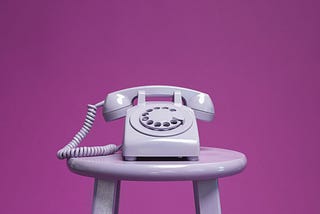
pixel 157 124
pixel 166 124
pixel 145 118
pixel 149 122
pixel 157 108
pixel 173 121
pixel 149 110
pixel 145 114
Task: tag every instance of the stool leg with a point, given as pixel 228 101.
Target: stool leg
pixel 106 196
pixel 206 197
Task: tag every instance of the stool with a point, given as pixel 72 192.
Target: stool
pixel 108 172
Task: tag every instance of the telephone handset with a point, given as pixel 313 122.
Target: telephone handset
pixel 152 128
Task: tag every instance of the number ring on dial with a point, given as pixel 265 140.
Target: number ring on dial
pixel 169 119
pixel 161 119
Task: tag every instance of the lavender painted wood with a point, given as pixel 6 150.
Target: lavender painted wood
pixel 213 163
pixel 108 171
pixel 106 197
pixel 207 197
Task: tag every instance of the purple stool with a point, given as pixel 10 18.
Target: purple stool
pixel 108 172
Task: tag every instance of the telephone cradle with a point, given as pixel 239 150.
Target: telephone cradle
pixel 153 129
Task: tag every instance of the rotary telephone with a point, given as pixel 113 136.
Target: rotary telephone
pixel 153 129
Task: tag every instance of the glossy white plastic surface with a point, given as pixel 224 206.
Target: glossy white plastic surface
pixel 182 140
pixel 213 163
pixel 117 103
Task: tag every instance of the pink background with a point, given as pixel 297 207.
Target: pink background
pixel 259 60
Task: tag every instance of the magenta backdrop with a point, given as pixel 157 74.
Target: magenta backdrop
pixel 259 60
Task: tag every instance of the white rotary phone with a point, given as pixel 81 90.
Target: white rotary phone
pixel 153 129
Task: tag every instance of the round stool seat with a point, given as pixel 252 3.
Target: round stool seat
pixel 213 163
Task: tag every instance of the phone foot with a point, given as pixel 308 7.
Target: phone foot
pixel 130 158
pixel 194 158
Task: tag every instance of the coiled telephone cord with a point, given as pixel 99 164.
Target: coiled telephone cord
pixel 72 149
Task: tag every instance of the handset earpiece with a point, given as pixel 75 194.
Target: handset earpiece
pixel 202 106
pixel 116 106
